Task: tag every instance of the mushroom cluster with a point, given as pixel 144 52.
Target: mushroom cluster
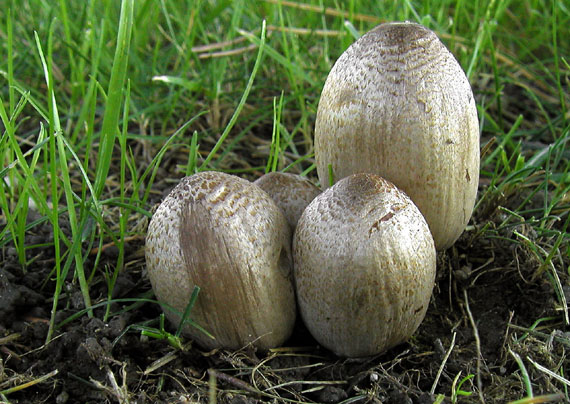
pixel 397 126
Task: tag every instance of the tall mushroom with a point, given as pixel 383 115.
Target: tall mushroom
pixel 397 103
pixel 227 236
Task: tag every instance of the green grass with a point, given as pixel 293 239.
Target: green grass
pixel 100 101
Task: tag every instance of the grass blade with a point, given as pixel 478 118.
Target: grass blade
pixel 114 95
pixel 241 104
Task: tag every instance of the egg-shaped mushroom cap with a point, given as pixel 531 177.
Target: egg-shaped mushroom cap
pixel 227 236
pixel 398 104
pixel 365 266
pixel 291 192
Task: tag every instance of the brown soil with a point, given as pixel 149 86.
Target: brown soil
pixel 483 295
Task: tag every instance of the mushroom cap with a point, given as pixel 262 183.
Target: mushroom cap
pixel 227 236
pixel 397 104
pixel 365 266
pixel 291 192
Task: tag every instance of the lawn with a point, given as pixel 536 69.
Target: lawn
pixel 106 105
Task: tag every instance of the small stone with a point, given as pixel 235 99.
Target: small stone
pixel 331 394
pixel 62 397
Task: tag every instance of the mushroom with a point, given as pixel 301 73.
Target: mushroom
pixel 397 103
pixel 227 236
pixel 365 265
pixel 291 192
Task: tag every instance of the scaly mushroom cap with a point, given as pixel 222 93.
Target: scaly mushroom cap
pixel 397 104
pixel 227 236
pixel 365 266
pixel 291 192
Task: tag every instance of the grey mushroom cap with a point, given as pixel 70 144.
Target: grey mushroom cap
pixel 398 104
pixel 291 192
pixel 227 236
pixel 365 265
